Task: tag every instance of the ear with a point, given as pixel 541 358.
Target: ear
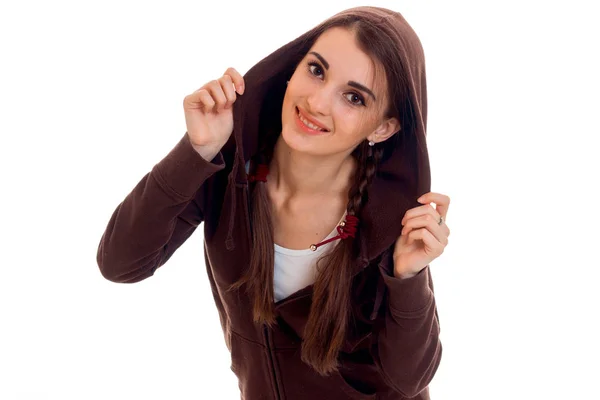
pixel 385 130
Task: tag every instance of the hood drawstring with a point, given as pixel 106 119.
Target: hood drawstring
pixel 230 242
pixel 378 297
pixel 380 286
pixel 346 229
pixel 261 173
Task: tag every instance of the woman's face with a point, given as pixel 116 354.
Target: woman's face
pixel 332 102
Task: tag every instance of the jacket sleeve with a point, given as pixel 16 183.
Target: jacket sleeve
pixel 157 216
pixel 407 349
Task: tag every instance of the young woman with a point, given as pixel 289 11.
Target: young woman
pixel 318 222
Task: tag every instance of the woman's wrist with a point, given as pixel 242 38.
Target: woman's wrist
pixel 403 276
pixel 208 152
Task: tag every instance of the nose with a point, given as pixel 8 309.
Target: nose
pixel 319 102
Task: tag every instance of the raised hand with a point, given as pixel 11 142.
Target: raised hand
pixel 424 236
pixel 208 111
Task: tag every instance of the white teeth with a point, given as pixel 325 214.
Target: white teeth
pixel 310 125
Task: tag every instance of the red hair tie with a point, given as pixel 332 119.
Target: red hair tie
pixel 262 170
pixel 346 229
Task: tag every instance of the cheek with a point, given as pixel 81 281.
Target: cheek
pixel 349 120
pixel 300 86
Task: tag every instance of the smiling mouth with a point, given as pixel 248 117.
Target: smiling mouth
pixel 308 123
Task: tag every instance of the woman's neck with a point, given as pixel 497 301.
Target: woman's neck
pixel 300 175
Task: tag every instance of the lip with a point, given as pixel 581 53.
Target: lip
pixel 311 120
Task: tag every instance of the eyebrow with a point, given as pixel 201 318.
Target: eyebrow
pixel 350 83
pixel 320 57
pixel 361 87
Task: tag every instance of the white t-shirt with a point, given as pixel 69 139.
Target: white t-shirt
pixel 296 269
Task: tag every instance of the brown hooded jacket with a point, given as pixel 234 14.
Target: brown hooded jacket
pixel 393 351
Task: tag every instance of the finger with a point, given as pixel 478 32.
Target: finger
pixel 199 99
pixel 237 78
pixel 428 222
pixel 436 248
pixel 206 100
pixel 426 209
pixel 215 90
pixel 228 89
pixel 425 220
pixel 442 202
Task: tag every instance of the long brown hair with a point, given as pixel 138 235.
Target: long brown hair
pixel 330 314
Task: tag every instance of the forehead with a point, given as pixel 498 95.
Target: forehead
pixel 347 61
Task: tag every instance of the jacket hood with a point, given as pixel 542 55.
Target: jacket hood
pixel 403 174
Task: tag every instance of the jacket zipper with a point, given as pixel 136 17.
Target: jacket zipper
pixel 271 363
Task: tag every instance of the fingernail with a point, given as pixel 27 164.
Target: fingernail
pixel 420 199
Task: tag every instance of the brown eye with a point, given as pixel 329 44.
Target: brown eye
pixel 355 98
pixel 315 69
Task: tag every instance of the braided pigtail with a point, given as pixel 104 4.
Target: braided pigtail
pixel 259 276
pixel 329 316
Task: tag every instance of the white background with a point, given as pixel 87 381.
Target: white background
pixel 91 98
